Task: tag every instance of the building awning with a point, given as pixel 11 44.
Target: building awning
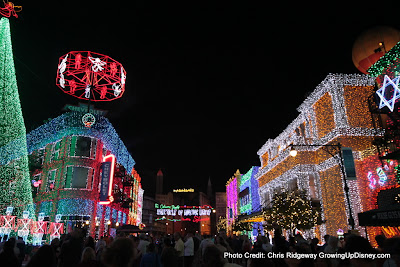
pixel 128 228
pixel 380 217
pixel 254 217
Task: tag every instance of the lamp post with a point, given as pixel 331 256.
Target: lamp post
pixel 293 153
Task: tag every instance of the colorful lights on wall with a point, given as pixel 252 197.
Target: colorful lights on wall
pixel 69 150
pixel 335 110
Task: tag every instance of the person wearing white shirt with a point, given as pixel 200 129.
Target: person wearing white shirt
pixel 143 243
pixel 189 250
pixel 179 247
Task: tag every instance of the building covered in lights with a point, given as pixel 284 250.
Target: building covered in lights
pixel 243 202
pixel 232 205
pixel 336 112
pixel 66 161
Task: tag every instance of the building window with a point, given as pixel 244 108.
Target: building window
pixel 79 177
pixel 313 186
pixel 51 179
pixel 349 165
pixel 292 185
pixel 56 151
pixel 83 146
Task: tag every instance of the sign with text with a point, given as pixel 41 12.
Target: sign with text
pixel 107 176
pixel 176 210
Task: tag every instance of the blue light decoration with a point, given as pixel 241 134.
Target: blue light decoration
pixel 389 92
pixel 69 123
pixel 46 207
pixel 75 206
pixel 250 202
pixel 255 197
pixel 100 208
pixel 245 194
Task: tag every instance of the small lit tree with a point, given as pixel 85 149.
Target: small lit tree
pixel 221 224
pixel 292 210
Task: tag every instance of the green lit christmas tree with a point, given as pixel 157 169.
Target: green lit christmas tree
pixel 15 188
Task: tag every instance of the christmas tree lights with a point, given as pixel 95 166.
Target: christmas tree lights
pixel 292 210
pixel 384 63
pixel 15 188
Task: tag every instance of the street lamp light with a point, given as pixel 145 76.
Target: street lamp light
pixel 293 153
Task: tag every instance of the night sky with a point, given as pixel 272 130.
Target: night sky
pixel 207 84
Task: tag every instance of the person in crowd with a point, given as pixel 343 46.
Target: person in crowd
pixel 314 245
pixel 380 240
pixel 188 252
pixel 392 247
pixel 88 258
pixel 280 245
pixel 221 245
pixel 179 247
pixel 137 253
pixel 326 238
pixel 207 241
pixel 266 245
pixel 7 256
pixel 109 240
pixel 332 248
pixel 44 257
pixel 262 261
pixel 120 253
pixel 20 244
pixel 355 243
pixel 55 244
pixel 246 246
pixel 213 257
pixel 100 246
pixel 71 250
pixel 143 243
pixel 89 242
pixel 151 258
pixel 168 255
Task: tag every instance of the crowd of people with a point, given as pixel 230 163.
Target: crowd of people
pixel 76 249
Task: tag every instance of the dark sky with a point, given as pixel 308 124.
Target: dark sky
pixel 207 84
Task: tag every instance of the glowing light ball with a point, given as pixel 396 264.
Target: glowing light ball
pixel 91 76
pixel 372 44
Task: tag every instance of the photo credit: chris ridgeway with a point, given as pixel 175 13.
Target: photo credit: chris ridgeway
pixel 299 256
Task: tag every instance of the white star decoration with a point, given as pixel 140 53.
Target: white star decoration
pixel 396 92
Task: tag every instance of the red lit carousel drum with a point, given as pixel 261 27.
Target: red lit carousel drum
pixel 91 76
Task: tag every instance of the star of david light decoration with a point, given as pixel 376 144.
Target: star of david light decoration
pixel 389 92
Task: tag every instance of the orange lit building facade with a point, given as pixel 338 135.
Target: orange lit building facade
pixel 335 112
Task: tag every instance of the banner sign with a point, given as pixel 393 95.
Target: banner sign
pixel 107 176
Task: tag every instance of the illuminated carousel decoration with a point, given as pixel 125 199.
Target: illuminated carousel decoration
pixel 90 76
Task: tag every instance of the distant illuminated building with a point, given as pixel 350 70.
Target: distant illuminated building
pixel 232 203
